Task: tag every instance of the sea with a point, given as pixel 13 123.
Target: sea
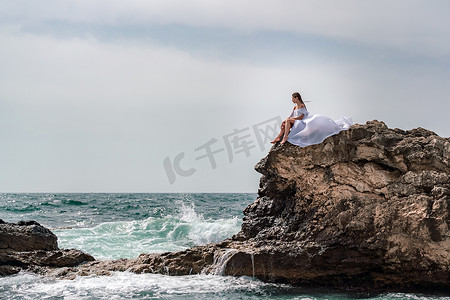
pixel 123 225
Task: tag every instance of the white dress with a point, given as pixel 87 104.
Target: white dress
pixel 313 129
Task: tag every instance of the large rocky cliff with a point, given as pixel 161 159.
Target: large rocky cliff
pixel 367 208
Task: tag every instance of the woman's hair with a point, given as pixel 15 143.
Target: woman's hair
pixel 299 97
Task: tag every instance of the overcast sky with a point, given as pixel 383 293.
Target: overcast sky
pixel 127 96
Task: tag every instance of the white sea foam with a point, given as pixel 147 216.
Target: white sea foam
pixel 207 231
pixel 127 239
pixel 125 285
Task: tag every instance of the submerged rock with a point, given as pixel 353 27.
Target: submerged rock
pixel 367 208
pixel 30 246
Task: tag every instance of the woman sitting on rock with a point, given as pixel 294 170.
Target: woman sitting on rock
pixel 304 129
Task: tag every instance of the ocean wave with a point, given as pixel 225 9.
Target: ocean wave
pixel 144 286
pixel 128 239
pixel 73 202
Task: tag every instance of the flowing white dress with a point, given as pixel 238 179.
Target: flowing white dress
pixel 313 129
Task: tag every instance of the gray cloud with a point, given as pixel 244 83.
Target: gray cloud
pixel 412 26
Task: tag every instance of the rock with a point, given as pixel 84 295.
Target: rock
pixel 189 261
pixel 367 208
pixel 26 236
pixel 53 258
pixel 29 245
pixel 8 270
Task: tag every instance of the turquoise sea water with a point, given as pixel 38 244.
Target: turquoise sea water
pixel 111 226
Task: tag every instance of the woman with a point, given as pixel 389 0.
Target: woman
pixel 303 129
pixel 290 121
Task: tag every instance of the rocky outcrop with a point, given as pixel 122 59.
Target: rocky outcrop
pixel 368 208
pixel 30 246
pixel 189 261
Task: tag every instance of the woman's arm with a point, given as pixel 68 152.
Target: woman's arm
pixel 288 118
pixel 297 118
pixel 291 114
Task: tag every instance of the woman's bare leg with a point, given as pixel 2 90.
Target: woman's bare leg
pixel 287 128
pixel 278 138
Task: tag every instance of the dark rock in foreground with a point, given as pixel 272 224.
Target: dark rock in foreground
pixel 368 208
pixel 30 246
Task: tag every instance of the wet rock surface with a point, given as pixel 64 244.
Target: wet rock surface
pixel 30 246
pixel 368 208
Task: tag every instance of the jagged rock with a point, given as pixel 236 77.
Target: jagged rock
pixel 29 245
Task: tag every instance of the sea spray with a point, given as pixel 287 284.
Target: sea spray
pixel 207 231
pixel 128 239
